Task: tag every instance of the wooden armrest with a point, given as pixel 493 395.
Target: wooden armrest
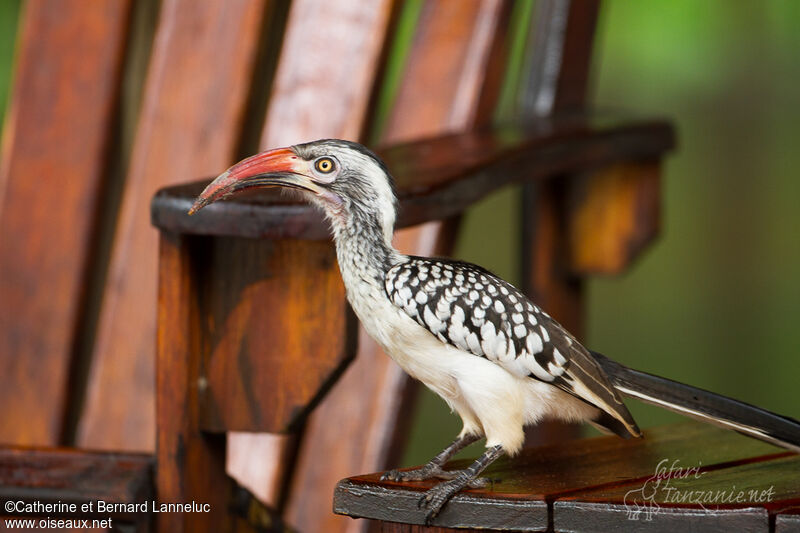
pixel 75 476
pixel 605 484
pixel 436 178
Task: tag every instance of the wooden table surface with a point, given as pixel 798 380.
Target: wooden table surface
pixel 680 477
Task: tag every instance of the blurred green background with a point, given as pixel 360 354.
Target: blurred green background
pixel 715 302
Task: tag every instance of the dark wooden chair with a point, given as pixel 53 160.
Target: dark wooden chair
pixel 664 483
pixel 236 278
pixel 223 80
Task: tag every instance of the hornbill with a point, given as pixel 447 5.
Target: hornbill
pixel 495 357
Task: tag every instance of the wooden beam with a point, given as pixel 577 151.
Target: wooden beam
pixel 54 154
pixel 189 124
pixel 436 177
pixel 190 463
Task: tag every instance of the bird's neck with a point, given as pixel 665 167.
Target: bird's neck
pixel 364 248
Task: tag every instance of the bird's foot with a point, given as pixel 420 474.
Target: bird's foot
pixel 434 499
pixel 422 473
pixel 430 471
pixel 474 482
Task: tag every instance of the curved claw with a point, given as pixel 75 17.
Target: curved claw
pixel 435 498
pixel 392 475
pixel 428 471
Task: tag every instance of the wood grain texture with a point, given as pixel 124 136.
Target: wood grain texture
pixel 558 56
pixel 614 214
pixel 558 473
pixel 788 520
pixel 462 511
pixel 372 399
pixel 747 492
pixel 325 75
pixel 280 332
pixel 436 177
pixel 71 476
pixel 393 527
pixel 195 96
pixel 446 71
pixel 54 157
pixel 191 464
pixel 326 71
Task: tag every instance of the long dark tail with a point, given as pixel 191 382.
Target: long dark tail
pixel 703 405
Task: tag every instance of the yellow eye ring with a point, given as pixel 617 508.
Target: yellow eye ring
pixel 325 165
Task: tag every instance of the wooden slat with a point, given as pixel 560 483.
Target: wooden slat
pixel 445 81
pixel 558 59
pixel 326 71
pixel 442 85
pixel 747 493
pixel 54 157
pixel 435 178
pixel 191 464
pixel 555 472
pixel 195 98
pixel 322 86
pixel 788 520
pixel 79 477
pixel 393 527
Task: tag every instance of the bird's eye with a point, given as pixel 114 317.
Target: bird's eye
pixel 325 165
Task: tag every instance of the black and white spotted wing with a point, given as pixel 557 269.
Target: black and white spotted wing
pixel 468 307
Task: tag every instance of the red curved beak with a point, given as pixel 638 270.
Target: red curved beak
pixel 274 168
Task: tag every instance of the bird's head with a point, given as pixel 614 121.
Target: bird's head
pixel 349 182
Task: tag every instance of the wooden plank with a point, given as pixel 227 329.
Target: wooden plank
pixel 737 498
pixel 194 104
pixel 556 472
pixel 191 464
pixel 280 332
pixel 436 177
pixel 76 477
pixel 441 88
pixel 393 527
pixel 558 57
pixel 326 71
pixel 788 520
pixel 462 511
pixel 445 79
pixel 751 519
pixel 54 161
pixel 322 85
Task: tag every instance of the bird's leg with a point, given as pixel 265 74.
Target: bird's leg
pixel 432 468
pixel 434 499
